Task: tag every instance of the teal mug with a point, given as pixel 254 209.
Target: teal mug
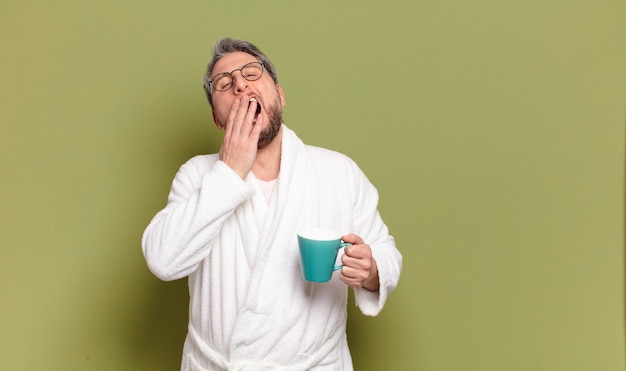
pixel 318 252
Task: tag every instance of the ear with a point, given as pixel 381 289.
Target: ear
pixel 283 102
pixel 217 122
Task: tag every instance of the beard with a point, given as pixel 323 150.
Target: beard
pixel 275 117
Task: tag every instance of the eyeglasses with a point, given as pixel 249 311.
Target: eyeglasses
pixel 251 71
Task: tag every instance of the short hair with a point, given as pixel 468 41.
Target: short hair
pixel 226 46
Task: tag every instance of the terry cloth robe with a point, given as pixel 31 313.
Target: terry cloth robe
pixel 250 308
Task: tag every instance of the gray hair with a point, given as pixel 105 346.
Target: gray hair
pixel 226 46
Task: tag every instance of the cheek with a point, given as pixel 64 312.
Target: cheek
pixel 221 109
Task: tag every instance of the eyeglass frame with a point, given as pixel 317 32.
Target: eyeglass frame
pixel 232 77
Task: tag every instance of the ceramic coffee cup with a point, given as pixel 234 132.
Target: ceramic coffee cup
pixel 318 252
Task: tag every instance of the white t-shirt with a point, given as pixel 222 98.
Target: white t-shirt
pixel 267 187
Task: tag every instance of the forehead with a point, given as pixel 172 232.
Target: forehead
pixel 232 61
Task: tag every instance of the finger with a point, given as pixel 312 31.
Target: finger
pixel 353 239
pixel 231 118
pixel 362 251
pixel 250 114
pixel 256 127
pixel 351 283
pixel 360 264
pixel 348 250
pixel 241 115
pixel 352 277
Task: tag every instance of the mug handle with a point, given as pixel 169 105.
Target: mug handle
pixel 343 244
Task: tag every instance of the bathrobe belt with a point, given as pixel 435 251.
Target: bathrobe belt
pixel 242 365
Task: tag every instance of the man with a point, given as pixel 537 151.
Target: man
pixel 231 222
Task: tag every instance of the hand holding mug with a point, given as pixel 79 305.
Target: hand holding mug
pixel 359 267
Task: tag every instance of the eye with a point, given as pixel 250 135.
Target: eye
pixel 225 85
pixel 252 72
pixel 222 82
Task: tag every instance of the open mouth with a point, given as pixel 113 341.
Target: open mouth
pixel 258 108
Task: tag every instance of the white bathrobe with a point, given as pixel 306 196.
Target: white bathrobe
pixel 250 308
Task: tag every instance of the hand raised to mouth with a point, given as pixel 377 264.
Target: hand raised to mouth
pixel 241 136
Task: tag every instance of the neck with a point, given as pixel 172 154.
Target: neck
pixel 267 163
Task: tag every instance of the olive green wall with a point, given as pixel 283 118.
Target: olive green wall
pixel 494 131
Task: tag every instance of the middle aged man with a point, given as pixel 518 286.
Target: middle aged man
pixel 230 226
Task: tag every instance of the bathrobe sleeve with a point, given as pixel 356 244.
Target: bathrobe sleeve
pixel 204 193
pixel 370 226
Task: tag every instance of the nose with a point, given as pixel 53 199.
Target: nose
pixel 240 84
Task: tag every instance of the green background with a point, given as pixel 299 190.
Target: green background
pixel 494 131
